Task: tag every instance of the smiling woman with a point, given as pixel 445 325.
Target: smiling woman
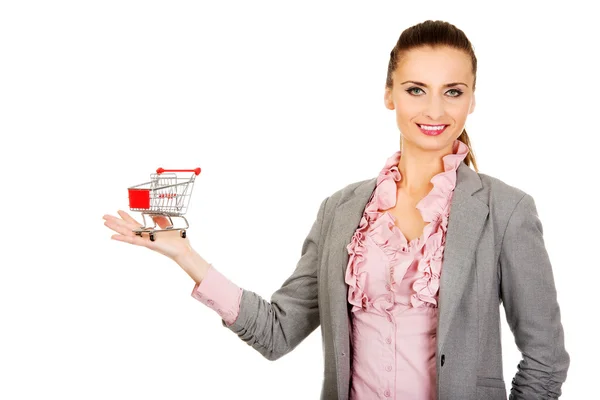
pixel 430 100
pixel 405 272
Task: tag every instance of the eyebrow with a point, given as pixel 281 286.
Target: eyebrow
pixel 446 85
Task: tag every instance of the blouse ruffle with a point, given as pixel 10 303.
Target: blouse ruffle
pixel 380 227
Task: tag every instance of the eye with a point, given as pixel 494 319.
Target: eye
pixel 459 92
pixel 410 91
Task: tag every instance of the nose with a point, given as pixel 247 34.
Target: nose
pixel 435 108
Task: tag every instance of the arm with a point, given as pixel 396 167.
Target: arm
pixel 530 303
pixel 275 328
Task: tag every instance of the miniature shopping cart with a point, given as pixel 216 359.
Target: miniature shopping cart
pixel 165 195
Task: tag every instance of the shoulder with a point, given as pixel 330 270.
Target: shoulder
pixel 492 188
pixel 501 197
pixel 350 188
pixel 346 191
pixel 500 189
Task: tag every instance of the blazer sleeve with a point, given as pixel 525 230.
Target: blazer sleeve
pixel 275 328
pixel 530 302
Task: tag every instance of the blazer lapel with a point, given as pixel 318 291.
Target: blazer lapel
pixel 465 223
pixel 346 218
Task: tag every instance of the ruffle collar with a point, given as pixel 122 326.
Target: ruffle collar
pixel 434 208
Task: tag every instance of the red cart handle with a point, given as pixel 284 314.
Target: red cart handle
pixel 161 170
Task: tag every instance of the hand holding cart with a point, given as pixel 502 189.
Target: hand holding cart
pixel 165 195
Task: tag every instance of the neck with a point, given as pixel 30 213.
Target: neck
pixel 418 166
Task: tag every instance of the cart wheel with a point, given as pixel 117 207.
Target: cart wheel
pixel 182 234
pixel 138 233
pixel 152 237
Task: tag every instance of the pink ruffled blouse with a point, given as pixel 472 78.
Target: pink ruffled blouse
pixel 393 289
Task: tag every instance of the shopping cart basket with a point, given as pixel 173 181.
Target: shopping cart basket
pixel 165 195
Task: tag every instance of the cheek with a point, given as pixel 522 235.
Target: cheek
pixel 404 120
pixel 460 108
pixel 459 114
pixel 406 105
pixel 407 110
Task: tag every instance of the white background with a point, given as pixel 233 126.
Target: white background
pixel 280 104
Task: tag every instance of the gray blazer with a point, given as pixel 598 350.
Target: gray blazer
pixel 494 254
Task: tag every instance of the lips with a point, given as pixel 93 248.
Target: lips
pixel 432 132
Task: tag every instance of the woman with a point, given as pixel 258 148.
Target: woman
pixel 405 272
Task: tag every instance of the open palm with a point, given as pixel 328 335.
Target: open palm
pixel 168 243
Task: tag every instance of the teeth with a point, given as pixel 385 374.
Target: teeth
pixel 432 128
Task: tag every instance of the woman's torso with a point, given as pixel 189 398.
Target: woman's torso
pixel 393 275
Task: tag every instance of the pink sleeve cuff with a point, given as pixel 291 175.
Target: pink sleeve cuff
pixel 220 294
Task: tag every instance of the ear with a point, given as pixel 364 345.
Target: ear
pixel 472 108
pixel 387 99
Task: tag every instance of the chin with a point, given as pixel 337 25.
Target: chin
pixel 430 143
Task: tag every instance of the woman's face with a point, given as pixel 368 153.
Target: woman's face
pixel 427 99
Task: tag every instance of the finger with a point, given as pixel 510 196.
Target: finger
pixel 135 240
pixel 120 226
pixel 162 221
pixel 128 218
pixel 130 225
pixel 112 218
